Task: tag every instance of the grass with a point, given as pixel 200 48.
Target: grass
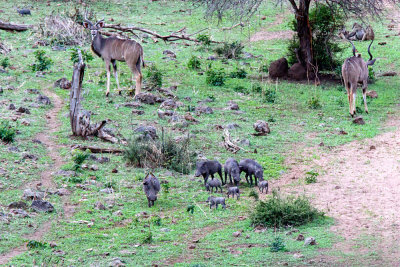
pixel 291 121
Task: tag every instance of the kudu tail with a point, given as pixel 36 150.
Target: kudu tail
pixel 140 63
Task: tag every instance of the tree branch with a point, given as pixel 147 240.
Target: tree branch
pixel 14 27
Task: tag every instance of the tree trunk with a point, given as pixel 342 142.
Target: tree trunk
pixel 305 36
pixel 14 27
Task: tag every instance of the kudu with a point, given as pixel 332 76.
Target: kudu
pixel 112 49
pixel 354 71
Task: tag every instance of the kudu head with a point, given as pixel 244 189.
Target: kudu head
pixel 371 60
pixel 94 28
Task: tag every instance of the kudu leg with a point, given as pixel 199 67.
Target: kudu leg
pixel 114 63
pixel 138 83
pixel 108 77
pixel 364 91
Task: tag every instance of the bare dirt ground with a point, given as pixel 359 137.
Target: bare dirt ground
pixel 358 186
pixel 265 35
pixel 46 179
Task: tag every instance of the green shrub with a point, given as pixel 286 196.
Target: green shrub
pixel 241 89
pixel 254 195
pixel 147 238
pixel 269 95
pixel 256 88
pixel 204 39
pixel 7 132
pixel 311 177
pixel 215 77
pixel 264 68
pixel 42 63
pixel 314 103
pixel 33 244
pixel 165 188
pixel 230 50
pixel 194 63
pixel 239 73
pixel 277 244
pixel 371 75
pixel 86 56
pixel 190 208
pixel 5 63
pixel 78 158
pixel 271 118
pixel 325 21
pixel 154 77
pixel 156 220
pixel 280 211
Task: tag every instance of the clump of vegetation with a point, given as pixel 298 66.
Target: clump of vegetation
pixel 215 77
pixel 239 73
pixel 314 102
pixel 271 118
pixel 280 211
pixel 230 50
pixel 256 88
pixel 325 21
pixel 42 63
pixel 156 220
pixel 194 63
pixel 86 56
pixel 264 68
pixel 241 89
pixel 311 177
pixel 204 39
pixel 269 95
pixel 277 244
pixel 254 195
pixel 79 158
pixel 5 63
pixel 166 187
pixel 154 77
pixel 371 75
pixel 166 153
pixel 7 132
pixel 190 208
pixel 33 244
pixel 147 238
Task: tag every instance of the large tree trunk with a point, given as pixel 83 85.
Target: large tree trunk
pixel 305 36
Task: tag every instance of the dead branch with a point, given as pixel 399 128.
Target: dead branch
pixel 229 145
pixel 234 26
pixel 94 149
pixel 166 38
pixel 14 27
pixel 80 118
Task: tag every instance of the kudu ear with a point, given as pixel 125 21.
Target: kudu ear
pixel 85 25
pixel 100 23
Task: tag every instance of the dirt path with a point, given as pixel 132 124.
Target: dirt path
pixel 265 34
pixel 46 179
pixel 358 185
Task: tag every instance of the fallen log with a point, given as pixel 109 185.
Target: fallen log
pixel 14 27
pixel 94 149
pixel 80 118
pixel 229 145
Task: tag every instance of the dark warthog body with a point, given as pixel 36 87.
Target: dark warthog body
pixel 213 183
pixel 151 187
pixel 252 169
pixel 215 201
pixel 24 12
pixel 232 169
pixel 263 185
pixel 208 168
pixel 233 191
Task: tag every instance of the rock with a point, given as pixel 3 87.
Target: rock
pixel 63 83
pixel 29 156
pixel 165 230
pixel 100 160
pixel 278 68
pixel 162 114
pixel 300 237
pixel 117 262
pixel 169 104
pixel 297 72
pixel 233 105
pixel 148 98
pixel 32 91
pixel 93 168
pixel 147 132
pixel 17 205
pixel 63 192
pixel 23 110
pixel 99 206
pixel 248 55
pixel 42 99
pixel 237 234
pixel 192 246
pixel 11 107
pixel 31 194
pixel 232 126
pixel 117 213
pixel 372 147
pixel 188 116
pixel 19 213
pixel 42 206
pixel 13 149
pixel 261 127
pixel 298 256
pixel 212 58
pixel 25 122
pixel 359 120
pixel 132 105
pixel 203 109
pixel 309 241
pixel 137 112
pixel 169 53
pixel 372 94
pixel 107 190
pixel 65 173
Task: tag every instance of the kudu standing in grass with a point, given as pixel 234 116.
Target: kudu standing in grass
pixel 354 71
pixel 112 49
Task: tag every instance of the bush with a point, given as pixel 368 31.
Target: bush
pixel 194 63
pixel 311 177
pixel 215 77
pixel 166 153
pixel 264 68
pixel 238 73
pixel 256 88
pixel 154 77
pixel 42 61
pixel 79 157
pixel 254 195
pixel 86 56
pixel 7 132
pixel 204 39
pixel 241 89
pixel 277 245
pixel 269 95
pixel 314 102
pixel 147 238
pixel 371 74
pixel 288 211
pixel 5 63
pixel 230 50
pixel 325 22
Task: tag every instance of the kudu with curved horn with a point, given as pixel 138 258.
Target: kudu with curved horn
pixel 354 71
pixel 112 49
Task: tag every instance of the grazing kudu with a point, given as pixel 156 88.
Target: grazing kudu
pixel 112 49
pixel 354 71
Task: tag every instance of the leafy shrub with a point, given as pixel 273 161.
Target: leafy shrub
pixel 371 75
pixel 230 50
pixel 190 208
pixel 156 220
pixel 154 77
pixel 33 244
pixel 269 95
pixel 256 88
pixel 253 194
pixel 42 61
pixel 7 132
pixel 264 68
pixel 147 238
pixel 325 21
pixel 314 102
pixel 86 56
pixel 165 187
pixel 5 62
pixel 241 89
pixel 280 211
pixel 311 177
pixel 215 77
pixel 271 118
pixel 204 39
pixel 277 245
pixel 194 63
pixel 79 157
pixel 239 73
pixel 167 153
